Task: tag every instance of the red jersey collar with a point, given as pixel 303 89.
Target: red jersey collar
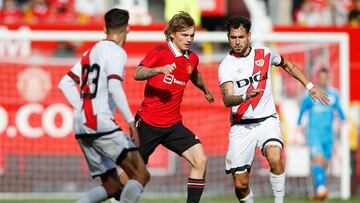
pixel 176 52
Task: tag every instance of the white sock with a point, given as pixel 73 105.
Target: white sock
pixel 131 192
pixel 249 198
pixel 94 195
pixel 278 186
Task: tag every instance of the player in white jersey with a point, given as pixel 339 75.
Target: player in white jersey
pixel 100 73
pixel 245 83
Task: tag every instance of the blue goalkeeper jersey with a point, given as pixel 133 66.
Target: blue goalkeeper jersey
pixel 321 117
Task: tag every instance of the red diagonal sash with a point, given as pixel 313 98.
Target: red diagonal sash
pixel 261 64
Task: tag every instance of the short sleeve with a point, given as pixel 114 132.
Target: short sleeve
pixel 276 58
pixel 75 72
pixel 150 60
pixel 224 73
pixel 116 64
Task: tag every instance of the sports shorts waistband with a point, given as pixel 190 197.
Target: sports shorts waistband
pixel 95 135
pixel 252 121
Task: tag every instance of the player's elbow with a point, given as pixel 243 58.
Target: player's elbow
pixel 226 103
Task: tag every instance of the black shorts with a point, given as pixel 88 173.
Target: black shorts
pixel 176 138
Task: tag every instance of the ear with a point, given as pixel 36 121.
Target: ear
pixel 104 28
pixel 172 35
pixel 249 37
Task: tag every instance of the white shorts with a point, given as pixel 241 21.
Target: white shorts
pixel 243 140
pixel 102 153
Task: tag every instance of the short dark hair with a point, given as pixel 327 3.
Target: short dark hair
pixel 179 22
pixel 237 21
pixel 116 19
pixel 323 70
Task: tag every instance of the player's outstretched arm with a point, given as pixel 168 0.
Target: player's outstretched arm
pixel 117 93
pixel 144 73
pixel 229 99
pixel 199 82
pixel 315 93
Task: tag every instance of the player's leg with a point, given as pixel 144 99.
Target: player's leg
pixel 196 181
pixel 277 175
pixel 99 166
pixel 150 137
pixel 321 150
pixel 134 167
pixel 271 145
pixel 239 158
pixel 183 142
pixel 242 188
pixel 121 150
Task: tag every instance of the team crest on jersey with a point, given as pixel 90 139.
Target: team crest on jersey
pixel 260 62
pixel 189 68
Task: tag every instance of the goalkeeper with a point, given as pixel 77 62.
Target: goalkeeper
pixel 320 136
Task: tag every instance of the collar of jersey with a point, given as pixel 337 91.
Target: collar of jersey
pixel 232 53
pixel 176 52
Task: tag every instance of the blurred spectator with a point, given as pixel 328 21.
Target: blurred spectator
pixel 91 10
pixel 354 15
pixel 340 10
pixel 37 11
pixel 10 12
pixel 314 13
pixel 62 9
pixel 321 12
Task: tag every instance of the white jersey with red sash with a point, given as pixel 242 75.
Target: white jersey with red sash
pixel 247 73
pixel 104 61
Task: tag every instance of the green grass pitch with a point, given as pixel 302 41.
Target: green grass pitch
pixel 204 200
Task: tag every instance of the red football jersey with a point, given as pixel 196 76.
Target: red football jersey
pixel 164 93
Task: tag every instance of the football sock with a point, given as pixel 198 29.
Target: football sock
pixel 248 199
pixel 131 192
pixel 195 188
pixel 319 175
pixel 278 186
pixel 94 195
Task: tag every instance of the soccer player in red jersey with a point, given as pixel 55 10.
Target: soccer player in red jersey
pixel 100 73
pixel 167 68
pixel 245 83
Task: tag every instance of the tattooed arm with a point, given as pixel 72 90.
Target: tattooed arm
pixel 229 99
pixel 315 93
pixel 144 73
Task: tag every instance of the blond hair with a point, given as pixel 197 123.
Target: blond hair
pixel 179 22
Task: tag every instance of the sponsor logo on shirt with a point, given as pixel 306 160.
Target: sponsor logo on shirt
pixel 260 62
pixel 246 81
pixel 169 79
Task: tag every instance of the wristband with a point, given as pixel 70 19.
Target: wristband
pixel 309 86
pixel 243 97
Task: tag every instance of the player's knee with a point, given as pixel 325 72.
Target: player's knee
pixel 142 176
pixel 241 184
pixel 145 177
pixel 201 162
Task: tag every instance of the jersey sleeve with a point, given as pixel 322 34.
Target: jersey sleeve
pixel 151 58
pixel 75 72
pixel 276 58
pixel 224 73
pixel 116 64
pixel 68 85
